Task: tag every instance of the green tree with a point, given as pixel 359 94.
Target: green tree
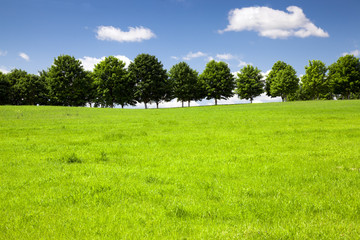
pixel 249 83
pixel 285 82
pixel 17 78
pixel 113 83
pixel 152 82
pixel 345 76
pixel 278 66
pixel 186 83
pixel 315 81
pixel 218 81
pixel 5 89
pixel 69 84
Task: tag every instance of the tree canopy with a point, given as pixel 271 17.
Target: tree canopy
pixel 345 76
pixel 249 83
pixel 151 79
pixel 69 84
pixel 283 80
pixel 112 83
pixel 315 81
pixel 185 82
pixel 218 81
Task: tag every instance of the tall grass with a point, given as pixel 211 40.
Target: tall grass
pixel 259 171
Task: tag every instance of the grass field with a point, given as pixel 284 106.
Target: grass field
pixel 260 171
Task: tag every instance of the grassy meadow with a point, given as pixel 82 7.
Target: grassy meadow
pixel 254 171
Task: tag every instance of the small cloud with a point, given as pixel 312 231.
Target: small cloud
pixel 225 56
pixel 265 74
pixel 210 58
pixel 174 57
pixel 271 23
pixel 24 56
pixel 3 53
pixel 135 34
pixel 90 62
pixel 356 53
pixel 243 64
pixel 191 55
pixel 4 69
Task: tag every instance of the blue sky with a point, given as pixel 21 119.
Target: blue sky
pixel 260 32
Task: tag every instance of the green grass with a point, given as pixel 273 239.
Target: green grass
pixel 260 171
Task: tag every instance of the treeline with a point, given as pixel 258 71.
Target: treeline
pixel 66 83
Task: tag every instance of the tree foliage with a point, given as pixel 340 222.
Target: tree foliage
pixel 278 66
pixel 345 76
pixel 5 88
pixel 249 83
pixel 285 83
pixel 315 81
pixel 151 79
pixel 218 81
pixel 113 83
pixel 185 82
pixel 282 80
pixel 69 84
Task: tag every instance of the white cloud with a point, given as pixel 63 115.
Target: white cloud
pixel 174 57
pixel 273 23
pixel 3 53
pixel 243 64
pixel 355 53
pixel 192 55
pixel 90 62
pixel 225 56
pixel 210 58
pixel 135 34
pixel 4 69
pixel 24 56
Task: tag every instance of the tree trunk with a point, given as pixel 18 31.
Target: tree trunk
pixel 182 103
pixel 215 101
pixel 122 105
pixel 188 103
pixel 286 98
pixel 157 104
pixel 251 100
pixel 145 105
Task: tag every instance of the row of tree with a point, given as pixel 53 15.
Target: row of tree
pixel 66 83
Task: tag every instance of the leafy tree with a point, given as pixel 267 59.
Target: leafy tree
pixel 5 89
pixel 68 82
pixel 284 83
pixel 152 83
pixel 218 81
pixel 249 83
pixel 278 66
pixel 17 78
pixel 345 76
pixel 315 81
pixel 113 83
pixel 186 83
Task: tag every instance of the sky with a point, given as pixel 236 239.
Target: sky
pixel 239 32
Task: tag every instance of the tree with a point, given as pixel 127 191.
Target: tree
pixel 151 79
pixel 218 81
pixel 249 83
pixel 315 81
pixel 5 89
pixel 345 76
pixel 186 83
pixel 16 79
pixel 113 83
pixel 285 82
pixel 278 66
pixel 69 84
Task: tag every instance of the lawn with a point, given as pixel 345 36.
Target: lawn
pixel 251 171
